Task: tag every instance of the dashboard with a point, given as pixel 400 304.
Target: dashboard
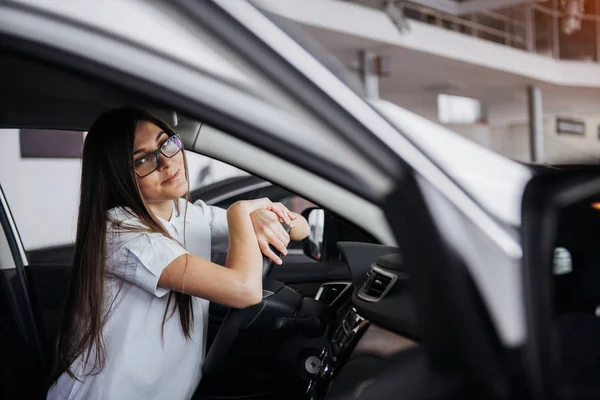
pixel 375 320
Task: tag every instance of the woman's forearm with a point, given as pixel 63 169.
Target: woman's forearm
pixel 244 255
pixel 239 285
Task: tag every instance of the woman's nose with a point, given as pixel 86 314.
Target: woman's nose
pixel 163 161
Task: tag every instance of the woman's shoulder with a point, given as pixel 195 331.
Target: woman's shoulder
pixel 123 217
pixel 122 226
pixel 197 208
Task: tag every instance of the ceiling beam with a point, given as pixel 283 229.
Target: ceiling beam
pixel 446 6
pixel 468 7
pixel 474 6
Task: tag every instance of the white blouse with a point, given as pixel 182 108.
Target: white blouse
pixel 141 363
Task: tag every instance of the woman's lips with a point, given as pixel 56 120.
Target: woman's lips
pixel 172 178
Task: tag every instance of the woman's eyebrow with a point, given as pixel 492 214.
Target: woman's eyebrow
pixel 156 140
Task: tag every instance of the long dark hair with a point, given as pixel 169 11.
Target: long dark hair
pixel 107 181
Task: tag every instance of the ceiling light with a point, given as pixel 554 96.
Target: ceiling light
pixel 572 11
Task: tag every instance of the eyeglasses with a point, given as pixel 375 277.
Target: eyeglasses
pixel 149 163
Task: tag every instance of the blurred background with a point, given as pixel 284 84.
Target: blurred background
pixel 487 69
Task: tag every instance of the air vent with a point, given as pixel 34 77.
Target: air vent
pixel 378 284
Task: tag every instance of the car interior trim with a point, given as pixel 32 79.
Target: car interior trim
pixel 371 275
pixel 346 285
pixel 8 223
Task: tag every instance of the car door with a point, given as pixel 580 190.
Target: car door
pixel 306 120
pixel 431 215
pixel 23 348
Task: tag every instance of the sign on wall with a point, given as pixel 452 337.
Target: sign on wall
pixel 39 143
pixel 570 126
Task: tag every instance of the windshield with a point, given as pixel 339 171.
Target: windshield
pixel 495 181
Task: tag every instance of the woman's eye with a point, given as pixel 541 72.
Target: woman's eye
pixel 141 161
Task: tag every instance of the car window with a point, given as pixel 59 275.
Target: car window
pixel 276 193
pixel 42 188
pixel 296 203
pixel 204 170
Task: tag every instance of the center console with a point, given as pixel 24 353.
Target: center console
pixel 337 350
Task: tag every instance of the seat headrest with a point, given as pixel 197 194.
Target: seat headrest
pixel 188 129
pixel 169 116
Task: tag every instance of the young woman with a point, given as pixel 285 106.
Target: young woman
pixel 137 309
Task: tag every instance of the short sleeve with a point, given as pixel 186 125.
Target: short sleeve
pixel 217 219
pixel 142 257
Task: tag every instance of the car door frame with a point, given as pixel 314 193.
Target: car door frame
pixel 365 131
pixel 16 292
pixel 411 170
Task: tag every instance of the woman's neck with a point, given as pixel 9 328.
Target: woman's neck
pixel 163 209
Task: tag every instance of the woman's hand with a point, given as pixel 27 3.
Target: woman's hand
pixel 268 229
pixel 285 215
pixel 266 219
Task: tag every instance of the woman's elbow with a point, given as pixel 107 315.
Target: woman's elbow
pixel 247 296
pixel 255 298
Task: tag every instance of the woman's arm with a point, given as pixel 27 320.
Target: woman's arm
pixel 301 229
pixel 268 229
pixel 240 284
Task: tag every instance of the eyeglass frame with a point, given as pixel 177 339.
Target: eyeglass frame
pixel 156 156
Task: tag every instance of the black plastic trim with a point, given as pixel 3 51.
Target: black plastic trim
pixel 451 317
pixel 284 302
pixel 544 198
pixel 539 229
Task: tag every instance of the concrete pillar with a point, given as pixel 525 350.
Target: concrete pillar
pixel 529 28
pixel 536 124
pixel 555 31
pixel 369 73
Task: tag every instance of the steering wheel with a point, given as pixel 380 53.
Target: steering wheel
pixel 237 319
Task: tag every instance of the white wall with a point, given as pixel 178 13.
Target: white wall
pixel 43 194
pixel 513 141
pixel 479 133
pixel 510 140
pixel 571 148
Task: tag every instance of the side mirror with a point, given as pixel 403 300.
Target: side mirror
pixel 313 244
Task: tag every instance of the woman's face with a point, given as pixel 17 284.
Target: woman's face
pixel 168 181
